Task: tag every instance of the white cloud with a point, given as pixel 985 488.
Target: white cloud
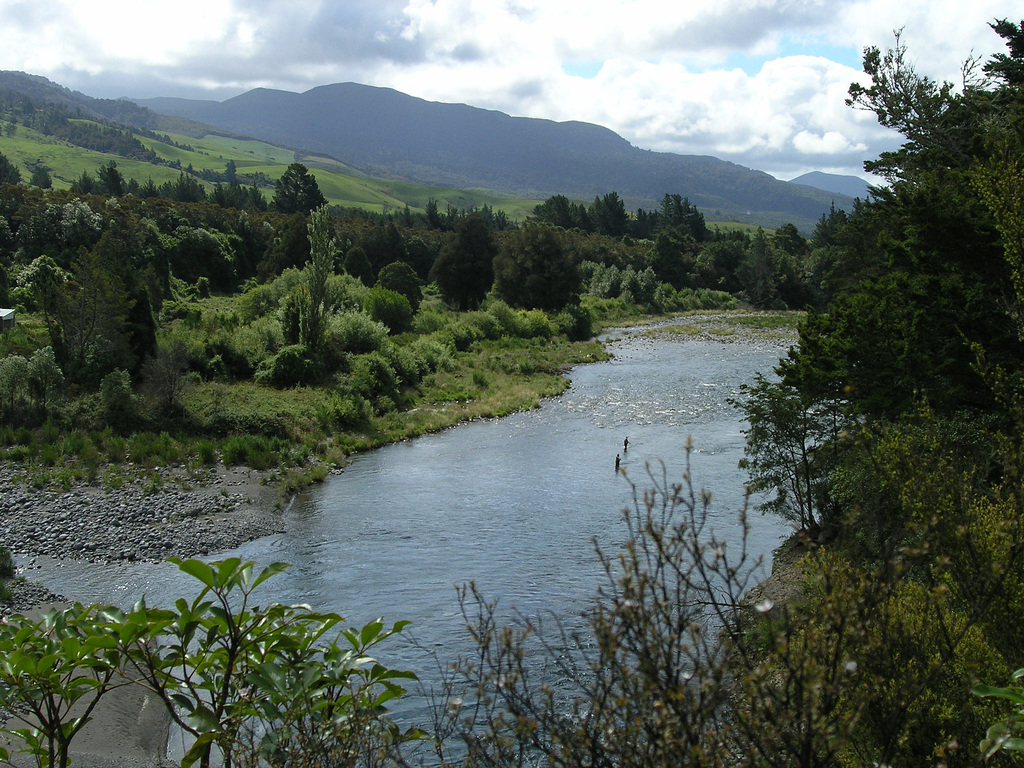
pixel 759 82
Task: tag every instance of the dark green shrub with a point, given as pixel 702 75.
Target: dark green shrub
pixel 345 411
pixel 487 325
pixel 150 449
pixel 291 367
pixel 117 402
pixel 389 307
pixel 206 453
pixel 463 335
pixel 19 454
pixel 401 278
pixel 510 321
pixel 372 376
pixel 575 322
pixel 7 569
pixel 252 450
pixel 537 325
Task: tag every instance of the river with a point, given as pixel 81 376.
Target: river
pixel 514 504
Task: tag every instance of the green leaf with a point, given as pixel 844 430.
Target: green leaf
pixel 198 570
pixel 203 720
pixel 1003 693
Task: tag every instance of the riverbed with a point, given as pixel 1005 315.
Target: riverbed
pixel 514 505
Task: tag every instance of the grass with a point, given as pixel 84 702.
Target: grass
pixel 736 323
pixel 340 183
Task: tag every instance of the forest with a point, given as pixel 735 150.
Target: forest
pixel 891 436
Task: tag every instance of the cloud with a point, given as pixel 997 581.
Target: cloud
pixel 758 82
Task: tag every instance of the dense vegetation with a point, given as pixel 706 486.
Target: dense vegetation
pixel 892 437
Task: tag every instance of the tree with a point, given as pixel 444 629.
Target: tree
pixel 297 191
pixel 13 384
pixel 66 659
pixel 9 173
pixel 791 445
pixel 608 213
pixel 399 276
pixel 358 265
pixel 87 323
pixel 464 269
pixel 45 378
pixel 166 375
pixel 110 181
pixel 533 270
pixel 757 272
pixel 263 682
pixel 322 246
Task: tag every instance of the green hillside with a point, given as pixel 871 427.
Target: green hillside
pixel 28 149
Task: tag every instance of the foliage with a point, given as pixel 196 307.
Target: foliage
pixel 357 332
pixel 1004 734
pixel 296 191
pixel 321 265
pixel 67 658
pixel 399 276
pixel 576 322
pixel 792 444
pixel 7 569
pixel 533 270
pixel 464 268
pixel 390 308
pixel 294 365
pixel 263 685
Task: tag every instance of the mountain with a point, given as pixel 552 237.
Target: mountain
pixel 393 135
pixel 850 186
pixel 387 134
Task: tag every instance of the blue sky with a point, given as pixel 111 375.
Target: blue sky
pixel 757 82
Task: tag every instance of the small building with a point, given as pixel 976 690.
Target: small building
pixel 6 319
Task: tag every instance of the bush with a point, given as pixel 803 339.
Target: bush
pixel 251 450
pixel 390 308
pixel 433 352
pixel 462 335
pixel 117 402
pixel 510 321
pixel 537 325
pixel 372 377
pixel 150 449
pixel 575 322
pixel 487 325
pixel 257 302
pixel 345 411
pixel 7 569
pixel 291 367
pixel 356 332
pixel 206 453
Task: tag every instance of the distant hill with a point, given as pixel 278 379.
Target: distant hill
pixel 850 186
pixel 390 134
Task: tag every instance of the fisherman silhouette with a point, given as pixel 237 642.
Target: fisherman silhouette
pixel 625 445
pixel 617 460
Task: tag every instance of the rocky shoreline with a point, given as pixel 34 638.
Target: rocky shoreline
pixel 191 516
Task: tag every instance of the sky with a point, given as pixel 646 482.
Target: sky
pixel 761 83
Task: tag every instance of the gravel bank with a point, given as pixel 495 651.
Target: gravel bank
pixel 218 511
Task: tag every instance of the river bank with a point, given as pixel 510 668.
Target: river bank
pixel 191 513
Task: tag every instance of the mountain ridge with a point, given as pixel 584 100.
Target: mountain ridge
pixel 388 133
pixel 384 133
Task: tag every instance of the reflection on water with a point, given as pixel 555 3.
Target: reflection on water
pixel 512 504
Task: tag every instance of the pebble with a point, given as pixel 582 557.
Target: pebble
pixel 102 525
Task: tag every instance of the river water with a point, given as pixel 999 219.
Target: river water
pixel 513 504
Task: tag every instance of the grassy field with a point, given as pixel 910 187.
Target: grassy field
pixel 341 184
